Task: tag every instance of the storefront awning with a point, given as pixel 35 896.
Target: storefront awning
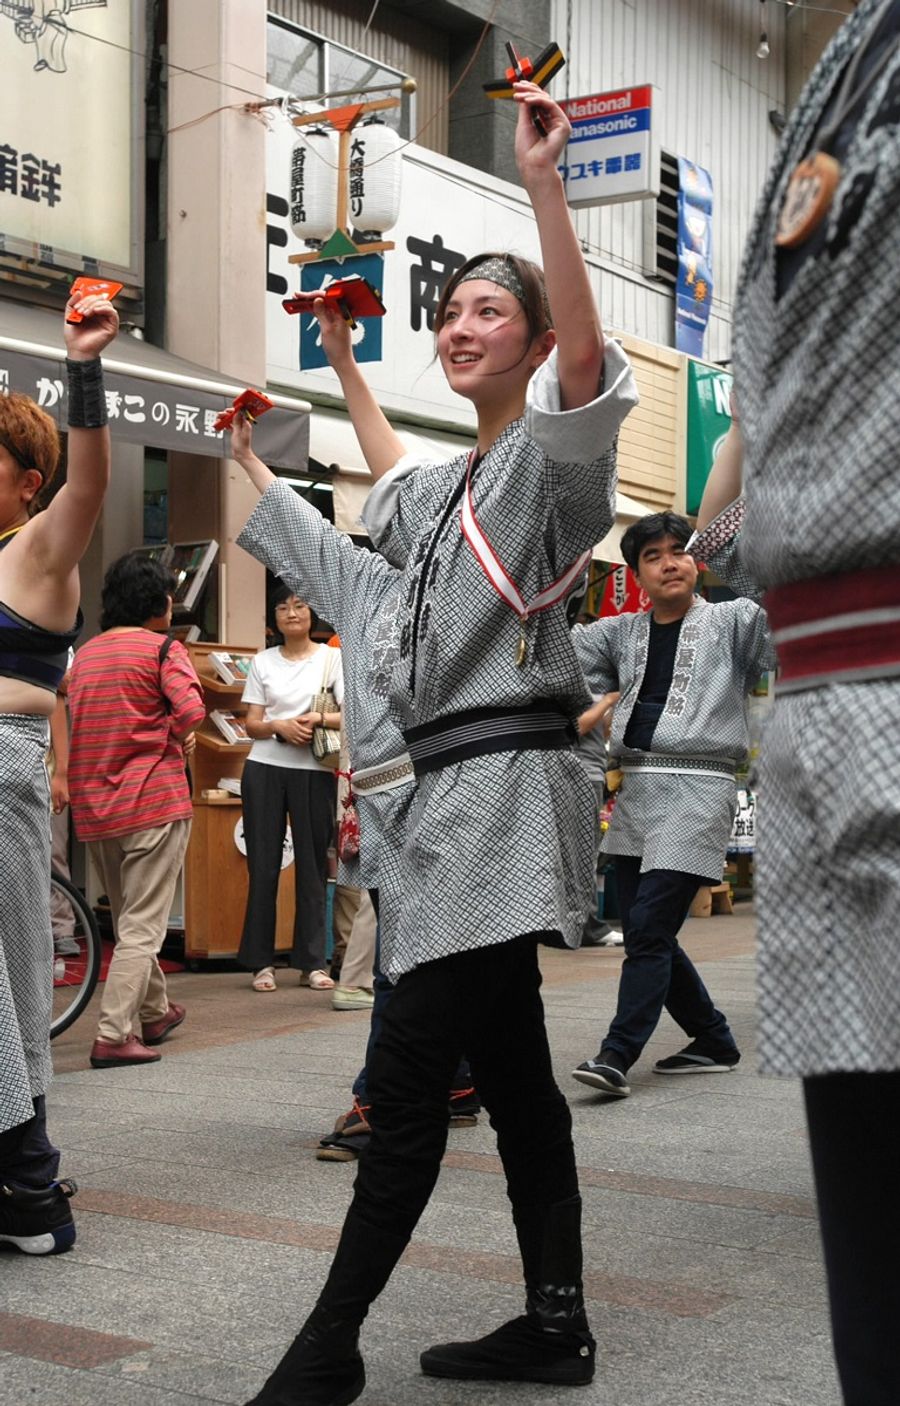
pixel 153 397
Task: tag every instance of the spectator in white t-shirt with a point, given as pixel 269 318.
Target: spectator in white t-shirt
pixel 281 780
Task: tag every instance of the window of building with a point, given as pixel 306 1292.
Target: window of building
pixel 306 66
pixel 661 224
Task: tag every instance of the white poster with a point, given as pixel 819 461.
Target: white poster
pixel 66 131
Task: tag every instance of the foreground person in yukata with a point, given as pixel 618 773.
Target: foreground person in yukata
pixel 683 671
pixel 500 846
pixel 819 532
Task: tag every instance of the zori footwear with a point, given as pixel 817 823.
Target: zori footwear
pixel 697 1058
pixel 607 1074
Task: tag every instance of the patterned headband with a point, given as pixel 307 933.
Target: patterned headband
pixel 500 271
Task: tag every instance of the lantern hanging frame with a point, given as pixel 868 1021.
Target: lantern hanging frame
pixel 343 120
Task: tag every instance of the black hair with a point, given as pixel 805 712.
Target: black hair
pixel 650 529
pixel 279 593
pixel 135 588
pixel 533 302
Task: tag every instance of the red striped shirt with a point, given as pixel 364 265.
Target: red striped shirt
pixel 126 768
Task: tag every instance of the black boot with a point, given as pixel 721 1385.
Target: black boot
pixel 323 1367
pixel 551 1341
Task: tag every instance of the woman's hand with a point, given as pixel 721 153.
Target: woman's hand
pixel 297 731
pixel 337 342
pixel 241 439
pixel 537 156
pixel 242 451
pixel 59 793
pixel 87 339
pixel 189 744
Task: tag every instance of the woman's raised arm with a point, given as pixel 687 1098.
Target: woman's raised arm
pixel 60 534
pixel 576 319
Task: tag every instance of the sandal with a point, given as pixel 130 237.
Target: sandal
pixel 317 981
pixel 265 980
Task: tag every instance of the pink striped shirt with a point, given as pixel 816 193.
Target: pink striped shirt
pixel 126 768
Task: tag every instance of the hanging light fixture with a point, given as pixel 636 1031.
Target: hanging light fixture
pixel 375 176
pixel 313 185
pixel 762 51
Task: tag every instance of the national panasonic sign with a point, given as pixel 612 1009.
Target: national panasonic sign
pixel 611 154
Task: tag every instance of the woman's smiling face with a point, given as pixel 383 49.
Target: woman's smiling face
pixel 483 339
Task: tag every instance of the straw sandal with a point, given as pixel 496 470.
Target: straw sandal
pixel 265 980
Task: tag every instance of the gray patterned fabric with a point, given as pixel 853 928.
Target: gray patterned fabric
pixel 827 866
pixel 676 821
pixel 817 373
pixel 828 891
pixel 499 845
pixel 26 942
pixel 357 592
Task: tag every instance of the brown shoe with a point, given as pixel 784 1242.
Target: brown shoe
pixel 156 1031
pixel 105 1055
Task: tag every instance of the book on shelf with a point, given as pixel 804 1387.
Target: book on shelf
pixel 231 668
pixel 232 727
pixel 231 784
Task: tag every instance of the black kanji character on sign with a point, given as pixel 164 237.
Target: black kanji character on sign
pixel 428 277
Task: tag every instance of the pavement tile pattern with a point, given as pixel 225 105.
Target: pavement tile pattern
pixel 205 1224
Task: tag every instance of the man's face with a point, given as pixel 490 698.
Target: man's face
pixel 667 573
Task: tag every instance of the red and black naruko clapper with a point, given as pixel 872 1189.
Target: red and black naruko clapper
pixel 548 62
pixel 352 297
pixel 251 403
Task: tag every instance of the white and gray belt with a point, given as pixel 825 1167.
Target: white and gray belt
pixel 685 766
pixel 372 780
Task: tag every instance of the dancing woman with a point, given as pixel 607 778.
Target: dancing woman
pixel 39 622
pixel 500 846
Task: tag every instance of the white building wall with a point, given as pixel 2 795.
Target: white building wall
pixel 712 99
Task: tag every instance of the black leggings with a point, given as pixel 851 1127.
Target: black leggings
pixel 854 1133
pixel 487 1003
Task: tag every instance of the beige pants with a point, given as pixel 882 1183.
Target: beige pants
pixel 360 954
pixel 139 873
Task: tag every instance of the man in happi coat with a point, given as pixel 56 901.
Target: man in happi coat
pixel 683 671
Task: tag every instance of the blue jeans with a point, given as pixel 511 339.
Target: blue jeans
pixel 657 972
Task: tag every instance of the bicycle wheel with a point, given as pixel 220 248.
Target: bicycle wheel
pixel 76 953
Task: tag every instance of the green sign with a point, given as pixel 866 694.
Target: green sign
pixel 708 421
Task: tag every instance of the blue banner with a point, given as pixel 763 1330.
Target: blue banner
pixel 367 337
pixel 693 292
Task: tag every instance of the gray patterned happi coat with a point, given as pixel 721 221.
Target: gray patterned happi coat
pixel 357 592
pixel 673 820
pixel 499 845
pixel 817 374
pixel 26 942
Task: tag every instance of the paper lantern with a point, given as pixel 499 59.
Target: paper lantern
pixel 314 184
pixel 375 174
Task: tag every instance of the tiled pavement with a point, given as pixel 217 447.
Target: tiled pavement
pixel 205 1223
